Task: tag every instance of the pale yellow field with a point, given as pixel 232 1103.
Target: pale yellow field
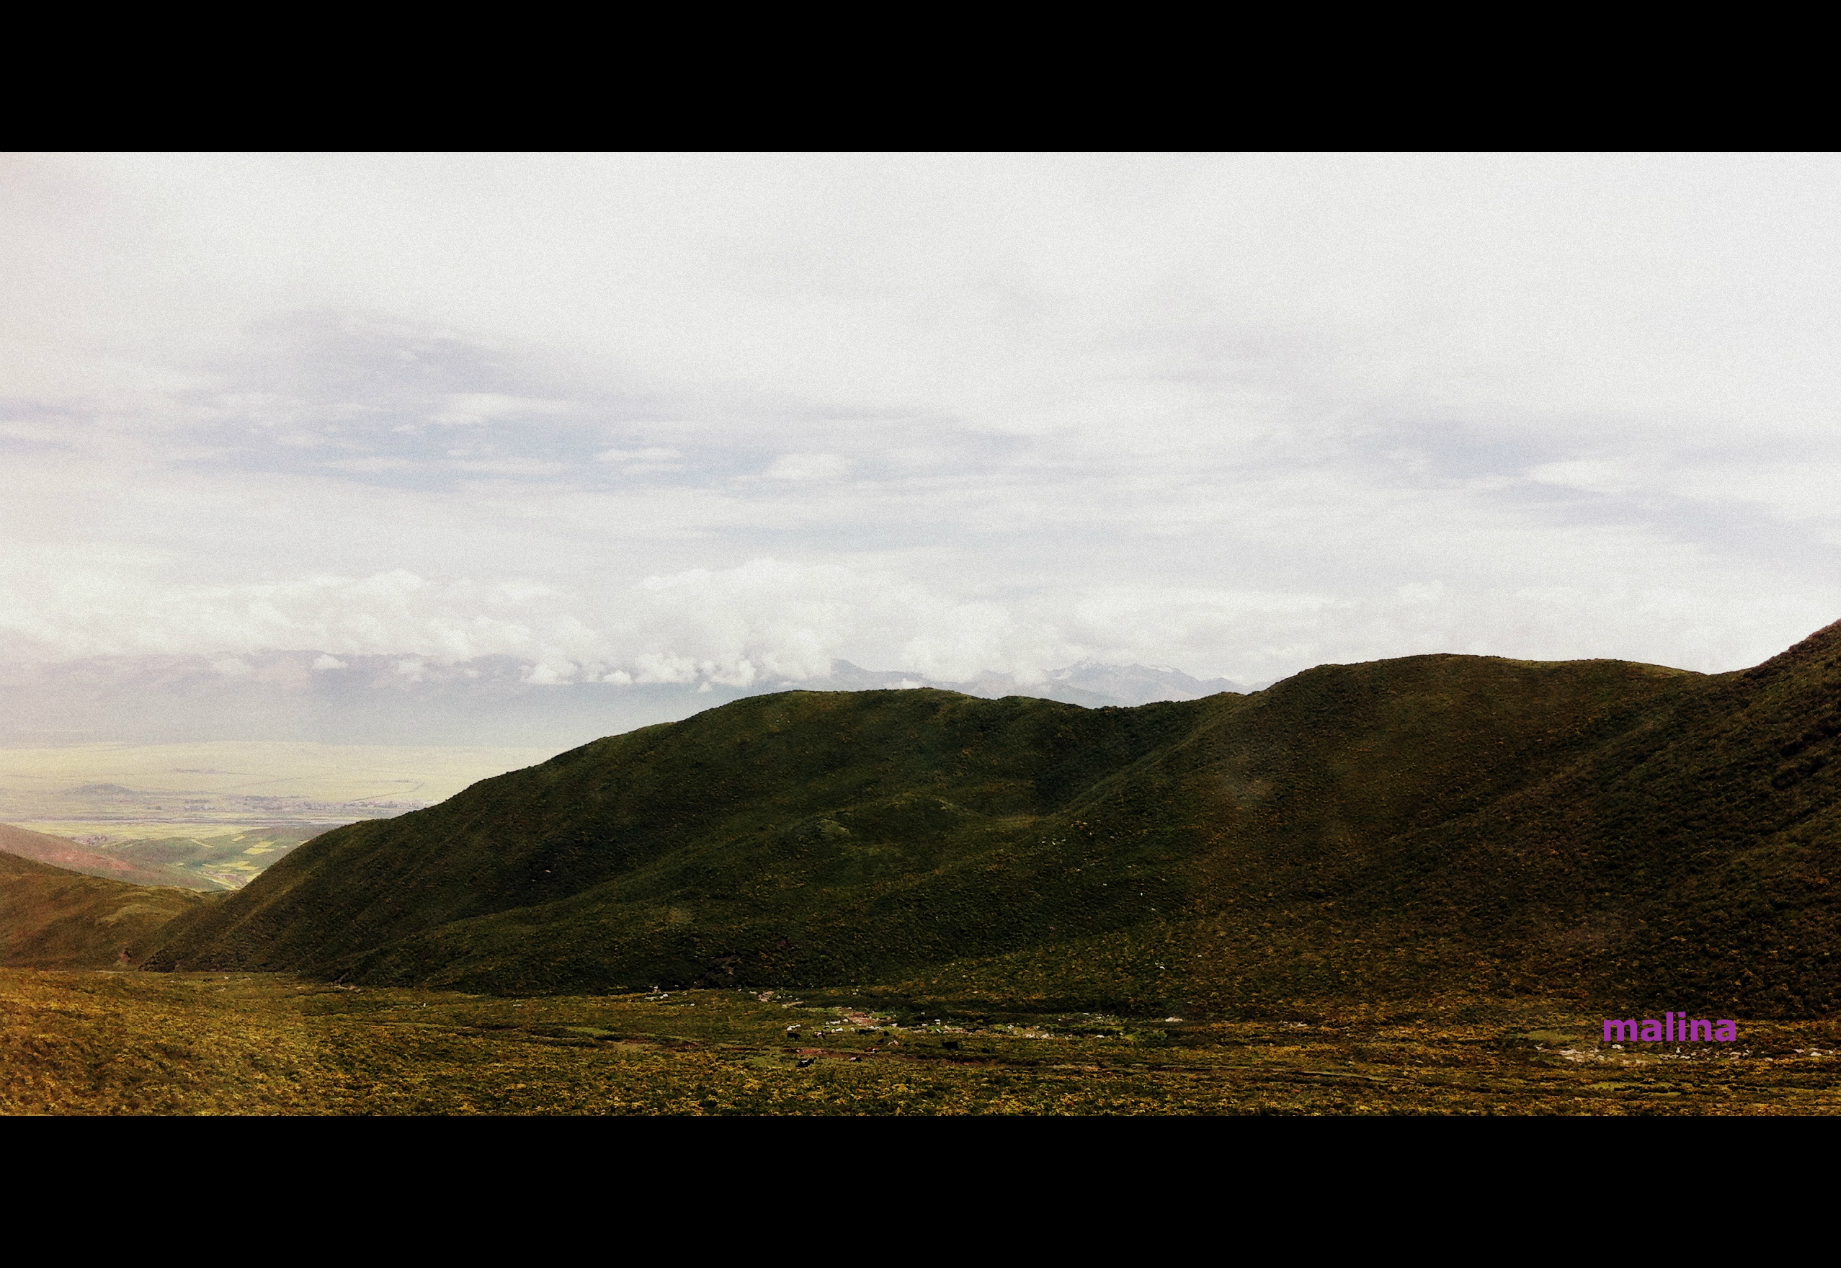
pixel 215 815
pixel 209 787
pixel 116 792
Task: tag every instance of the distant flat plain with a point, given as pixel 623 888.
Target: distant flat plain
pixel 220 812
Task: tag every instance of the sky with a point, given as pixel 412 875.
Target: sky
pixel 724 418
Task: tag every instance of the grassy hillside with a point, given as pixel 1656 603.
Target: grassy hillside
pixel 51 918
pixel 1398 829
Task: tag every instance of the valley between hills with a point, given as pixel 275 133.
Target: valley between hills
pixel 1403 886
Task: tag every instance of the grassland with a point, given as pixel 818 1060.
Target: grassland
pixel 260 1044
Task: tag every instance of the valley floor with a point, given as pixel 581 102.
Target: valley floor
pixel 261 1044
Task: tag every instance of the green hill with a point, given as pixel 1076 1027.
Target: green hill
pixel 1385 831
pixel 52 918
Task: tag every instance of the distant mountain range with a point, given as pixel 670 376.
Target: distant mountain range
pixel 1088 683
pixel 395 700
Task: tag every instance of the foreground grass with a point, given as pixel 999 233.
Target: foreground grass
pixel 133 1043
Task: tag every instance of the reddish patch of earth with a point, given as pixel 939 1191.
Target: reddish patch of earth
pixel 61 852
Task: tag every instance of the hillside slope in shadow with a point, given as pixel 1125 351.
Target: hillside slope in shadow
pixel 1390 830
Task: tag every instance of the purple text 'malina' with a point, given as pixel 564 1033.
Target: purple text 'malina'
pixel 1675 1027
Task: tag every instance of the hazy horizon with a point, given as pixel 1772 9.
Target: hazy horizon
pixel 393 701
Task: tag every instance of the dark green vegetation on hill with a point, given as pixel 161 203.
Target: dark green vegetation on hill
pixel 51 918
pixel 1395 830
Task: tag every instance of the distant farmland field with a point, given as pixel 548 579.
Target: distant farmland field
pixel 216 814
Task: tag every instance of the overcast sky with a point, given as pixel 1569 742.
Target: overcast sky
pixel 726 417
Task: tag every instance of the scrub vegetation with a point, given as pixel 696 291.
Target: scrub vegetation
pixel 96 1043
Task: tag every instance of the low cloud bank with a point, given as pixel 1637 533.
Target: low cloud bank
pixel 770 622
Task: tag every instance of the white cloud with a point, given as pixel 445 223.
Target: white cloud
pixel 651 454
pixel 636 462
pixel 465 409
pixel 1594 476
pixel 510 467
pixel 807 467
pixel 379 463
